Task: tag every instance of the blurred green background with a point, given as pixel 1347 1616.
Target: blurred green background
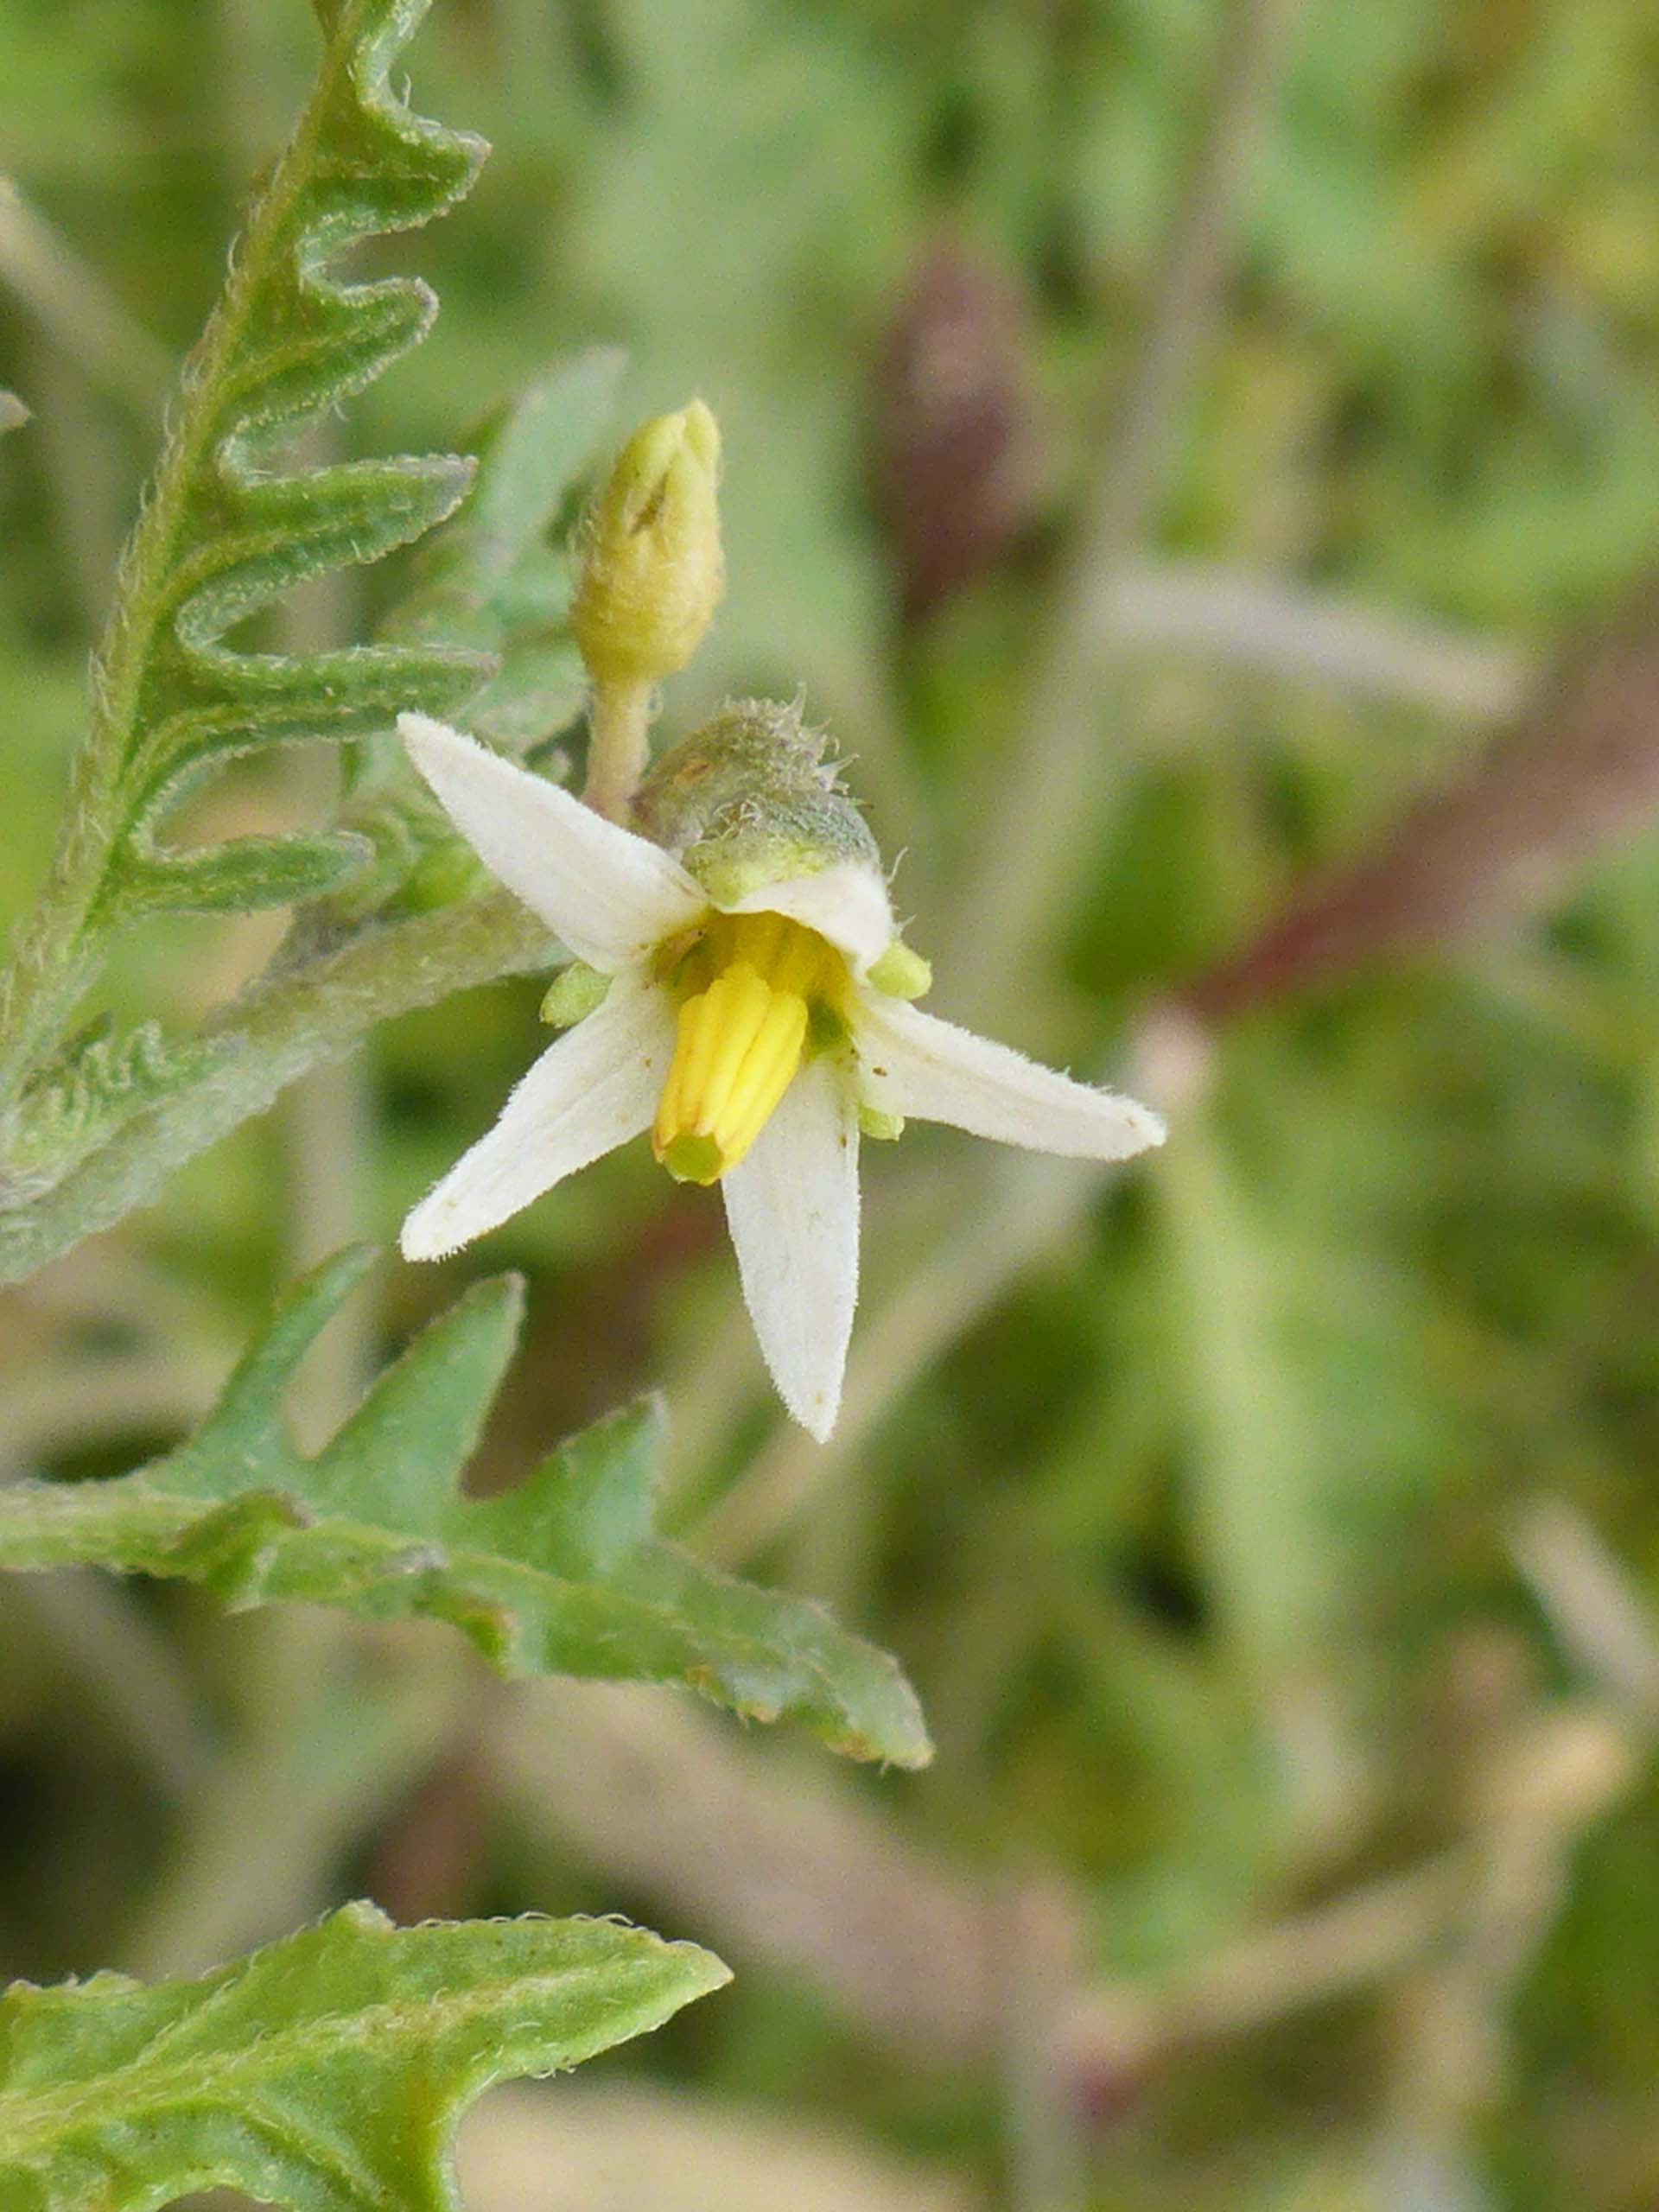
pixel 1271 1532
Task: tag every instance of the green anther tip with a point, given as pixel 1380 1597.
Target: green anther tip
pixel 693 1160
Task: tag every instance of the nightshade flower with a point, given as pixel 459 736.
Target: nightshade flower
pixel 747 1004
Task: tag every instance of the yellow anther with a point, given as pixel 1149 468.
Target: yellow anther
pixel 768 1066
pixel 753 981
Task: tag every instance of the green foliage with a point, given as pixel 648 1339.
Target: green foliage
pixel 561 1575
pixel 1196 1546
pixel 302 1013
pixel 112 1120
pixel 100 1081
pixel 490 580
pixel 222 535
pixel 325 2073
pixel 224 531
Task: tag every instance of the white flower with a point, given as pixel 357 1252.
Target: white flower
pixel 752 1039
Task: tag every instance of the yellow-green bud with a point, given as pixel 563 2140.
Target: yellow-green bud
pixel 651 575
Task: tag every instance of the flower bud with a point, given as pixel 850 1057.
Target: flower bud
pixel 652 574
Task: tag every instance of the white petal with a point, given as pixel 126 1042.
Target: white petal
pixel 792 1207
pixel 848 904
pixel 591 1091
pixel 912 1063
pixel 611 896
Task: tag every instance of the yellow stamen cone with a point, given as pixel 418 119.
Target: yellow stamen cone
pixel 767 1070
pixel 735 1009
pixel 740 1042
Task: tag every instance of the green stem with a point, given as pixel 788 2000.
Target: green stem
pixel 298 1021
pixel 619 722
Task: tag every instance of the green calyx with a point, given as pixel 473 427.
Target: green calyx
pixel 750 800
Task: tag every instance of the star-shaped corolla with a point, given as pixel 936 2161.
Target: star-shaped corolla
pixel 753 1038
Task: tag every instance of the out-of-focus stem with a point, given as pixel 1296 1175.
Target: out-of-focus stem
pixel 127 1667
pixel 80 448
pixel 911 1947
pixel 108 344
pixel 1237 618
pixel 1055 791
pixel 73 1404
pixel 623 2145
pixel 261 1836
pixel 1578 768
pixel 1041 1933
pixel 1594 1606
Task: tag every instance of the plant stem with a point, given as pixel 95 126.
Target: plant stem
pixel 618 721
pixel 294 1021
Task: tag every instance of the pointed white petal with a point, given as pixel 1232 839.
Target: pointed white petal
pixel 792 1207
pixel 848 904
pixel 912 1063
pixel 591 1091
pixel 610 895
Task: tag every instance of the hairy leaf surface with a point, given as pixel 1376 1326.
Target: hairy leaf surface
pixel 563 1575
pixel 101 1130
pixel 325 2072
pixel 232 522
pixel 224 533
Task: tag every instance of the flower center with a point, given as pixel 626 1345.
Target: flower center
pixel 748 989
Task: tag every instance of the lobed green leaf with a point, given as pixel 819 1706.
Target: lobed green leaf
pixel 84 1136
pixel 99 1082
pixel 224 534
pixel 325 2072
pixel 563 1575
pixel 233 520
